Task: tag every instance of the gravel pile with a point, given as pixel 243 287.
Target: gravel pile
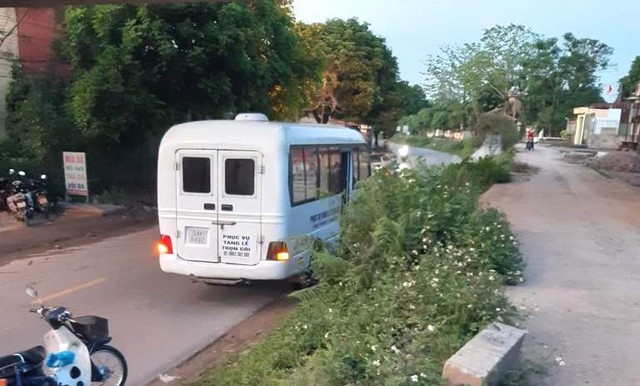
pixel 619 162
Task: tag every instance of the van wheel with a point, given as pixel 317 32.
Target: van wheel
pixel 307 278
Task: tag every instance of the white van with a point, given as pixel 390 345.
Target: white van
pixel 246 199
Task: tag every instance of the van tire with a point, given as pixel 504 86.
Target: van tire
pixel 307 279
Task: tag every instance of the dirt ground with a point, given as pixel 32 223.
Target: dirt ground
pixel 579 233
pixel 67 230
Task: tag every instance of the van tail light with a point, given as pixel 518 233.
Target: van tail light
pixel 164 245
pixel 278 251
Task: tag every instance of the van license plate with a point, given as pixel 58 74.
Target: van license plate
pixel 198 236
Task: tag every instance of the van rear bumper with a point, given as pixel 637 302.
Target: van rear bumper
pixel 264 270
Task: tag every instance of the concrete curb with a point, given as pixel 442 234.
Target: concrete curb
pixel 486 358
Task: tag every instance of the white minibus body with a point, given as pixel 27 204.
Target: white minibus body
pixel 247 199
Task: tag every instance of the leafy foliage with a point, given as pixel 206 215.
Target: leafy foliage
pixel 497 124
pixel 359 78
pixel 420 271
pixel 140 68
pixel 534 79
pixel 137 69
pixel 629 82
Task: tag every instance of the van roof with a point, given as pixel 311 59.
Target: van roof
pixel 263 133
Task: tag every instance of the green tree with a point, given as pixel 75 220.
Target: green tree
pixel 534 79
pixel 359 77
pixel 629 82
pixel 413 98
pixel 139 68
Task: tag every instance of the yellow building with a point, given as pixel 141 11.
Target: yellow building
pixel 594 124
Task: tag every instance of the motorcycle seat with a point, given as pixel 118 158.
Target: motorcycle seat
pixel 32 356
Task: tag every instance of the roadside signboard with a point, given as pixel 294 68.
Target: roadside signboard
pixel 75 173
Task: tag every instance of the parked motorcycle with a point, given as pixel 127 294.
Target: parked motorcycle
pixel 5 191
pixel 20 202
pixel 38 190
pixel 76 353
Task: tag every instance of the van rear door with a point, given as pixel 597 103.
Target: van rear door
pixel 240 213
pixel 197 205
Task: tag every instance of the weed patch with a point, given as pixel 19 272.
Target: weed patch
pixel 419 271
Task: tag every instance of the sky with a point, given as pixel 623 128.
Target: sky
pixel 413 29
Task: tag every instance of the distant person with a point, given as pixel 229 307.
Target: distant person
pixel 530 136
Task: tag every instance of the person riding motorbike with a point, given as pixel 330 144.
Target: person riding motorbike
pixel 530 136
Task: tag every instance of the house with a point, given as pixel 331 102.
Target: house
pixel 26 34
pixel 602 125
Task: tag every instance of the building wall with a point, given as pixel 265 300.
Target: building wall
pixel 8 52
pixel 36 33
pixel 32 30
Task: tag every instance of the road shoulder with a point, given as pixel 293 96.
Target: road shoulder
pixel 239 339
pixel 71 229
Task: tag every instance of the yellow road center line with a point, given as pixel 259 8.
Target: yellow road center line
pixel 70 290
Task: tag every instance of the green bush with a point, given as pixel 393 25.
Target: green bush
pixel 500 124
pixel 419 272
pixel 111 196
pixel 482 173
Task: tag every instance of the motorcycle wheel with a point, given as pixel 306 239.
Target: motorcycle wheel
pixel 111 364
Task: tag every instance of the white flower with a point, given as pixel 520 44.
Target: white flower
pixel 414 378
pixel 326 335
pixel 395 350
pixel 491 278
pixel 431 328
pixel 423 375
pixel 412 307
pixel 373 348
pixel 376 363
pixel 498 309
pixel 330 310
pixel 305 326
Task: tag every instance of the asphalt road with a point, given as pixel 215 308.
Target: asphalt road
pixel 430 157
pixel 156 319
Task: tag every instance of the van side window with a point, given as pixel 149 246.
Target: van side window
pixel 335 184
pixel 196 175
pixel 311 172
pixel 239 176
pixel 363 164
pixel 325 172
pixel 297 175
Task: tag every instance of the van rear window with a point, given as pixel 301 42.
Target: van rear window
pixel 196 175
pixel 239 176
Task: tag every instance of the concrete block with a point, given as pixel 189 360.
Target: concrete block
pixel 486 358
